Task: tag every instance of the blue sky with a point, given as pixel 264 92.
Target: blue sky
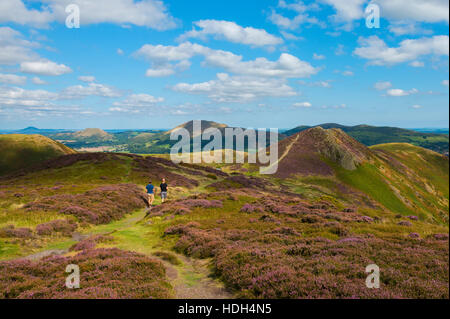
pixel 155 64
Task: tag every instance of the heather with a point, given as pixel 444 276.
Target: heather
pixel 97 206
pixel 305 236
pixel 104 273
pixel 286 247
pixel 281 263
pixel 12 232
pixel 65 227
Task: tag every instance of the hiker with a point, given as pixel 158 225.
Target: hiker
pixel 163 188
pixel 150 192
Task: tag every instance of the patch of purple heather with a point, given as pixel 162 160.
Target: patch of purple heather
pixel 65 227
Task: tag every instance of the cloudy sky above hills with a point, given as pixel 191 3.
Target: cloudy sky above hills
pixel 155 64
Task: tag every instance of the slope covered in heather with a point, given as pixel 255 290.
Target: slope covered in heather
pixel 373 135
pixel 307 234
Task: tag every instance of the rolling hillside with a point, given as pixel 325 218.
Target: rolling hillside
pixel 307 233
pixel 403 178
pixel 372 135
pixel 21 151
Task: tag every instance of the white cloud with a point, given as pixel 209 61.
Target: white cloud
pixel 378 53
pixel 417 64
pixel 416 106
pixel 318 56
pixel 402 28
pixel 139 100
pixel 163 57
pixel 38 81
pixel 120 52
pixel 348 73
pixel 232 32
pixel 15 11
pixel 322 84
pixel 12 79
pixel 145 13
pixel 86 78
pixel 294 23
pixel 15 96
pixel 92 89
pixel 381 86
pixel 339 50
pixel 400 92
pixel 416 10
pixel 44 67
pixel 303 104
pixel 346 11
pixel 238 88
pixel 445 83
pixel 15 49
pixel 287 65
pixel 290 36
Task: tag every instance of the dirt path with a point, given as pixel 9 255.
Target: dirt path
pixel 192 280
pixel 286 152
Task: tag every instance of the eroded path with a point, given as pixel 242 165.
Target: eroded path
pixel 191 279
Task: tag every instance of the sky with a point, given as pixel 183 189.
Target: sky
pixel 264 64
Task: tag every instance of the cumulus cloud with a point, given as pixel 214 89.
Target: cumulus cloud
pixel 416 10
pixel 400 92
pixel 38 81
pixel 12 79
pixel 15 11
pixel 86 78
pixel 167 59
pixel 15 96
pixel 17 50
pixel 417 64
pixel 44 67
pixel 417 106
pixel 232 32
pixel 348 10
pixel 294 23
pixel 400 28
pixel 14 48
pixel 318 56
pixel 92 89
pixel 139 100
pixel 381 86
pixel 378 53
pixel 322 84
pixel 145 13
pixel 228 88
pixel 445 83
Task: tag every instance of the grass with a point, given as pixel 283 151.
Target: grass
pixel 20 151
pixel 368 179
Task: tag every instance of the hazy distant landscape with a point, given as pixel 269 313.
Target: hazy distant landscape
pixel 158 142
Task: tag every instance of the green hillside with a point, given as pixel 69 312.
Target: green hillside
pixel 20 151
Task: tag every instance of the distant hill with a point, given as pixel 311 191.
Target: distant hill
pixel 93 133
pixel 372 135
pixel 20 151
pixel 204 125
